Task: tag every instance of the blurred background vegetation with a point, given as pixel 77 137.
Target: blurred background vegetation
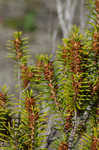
pixel 40 21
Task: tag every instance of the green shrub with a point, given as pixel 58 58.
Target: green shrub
pixel 66 87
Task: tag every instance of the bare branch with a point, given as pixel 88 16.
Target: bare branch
pixel 61 18
pixel 78 121
pixel 82 16
pixel 73 131
pixel 54 39
pixel 67 14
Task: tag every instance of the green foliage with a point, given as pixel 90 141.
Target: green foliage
pixel 30 22
pixel 26 23
pixel 66 88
